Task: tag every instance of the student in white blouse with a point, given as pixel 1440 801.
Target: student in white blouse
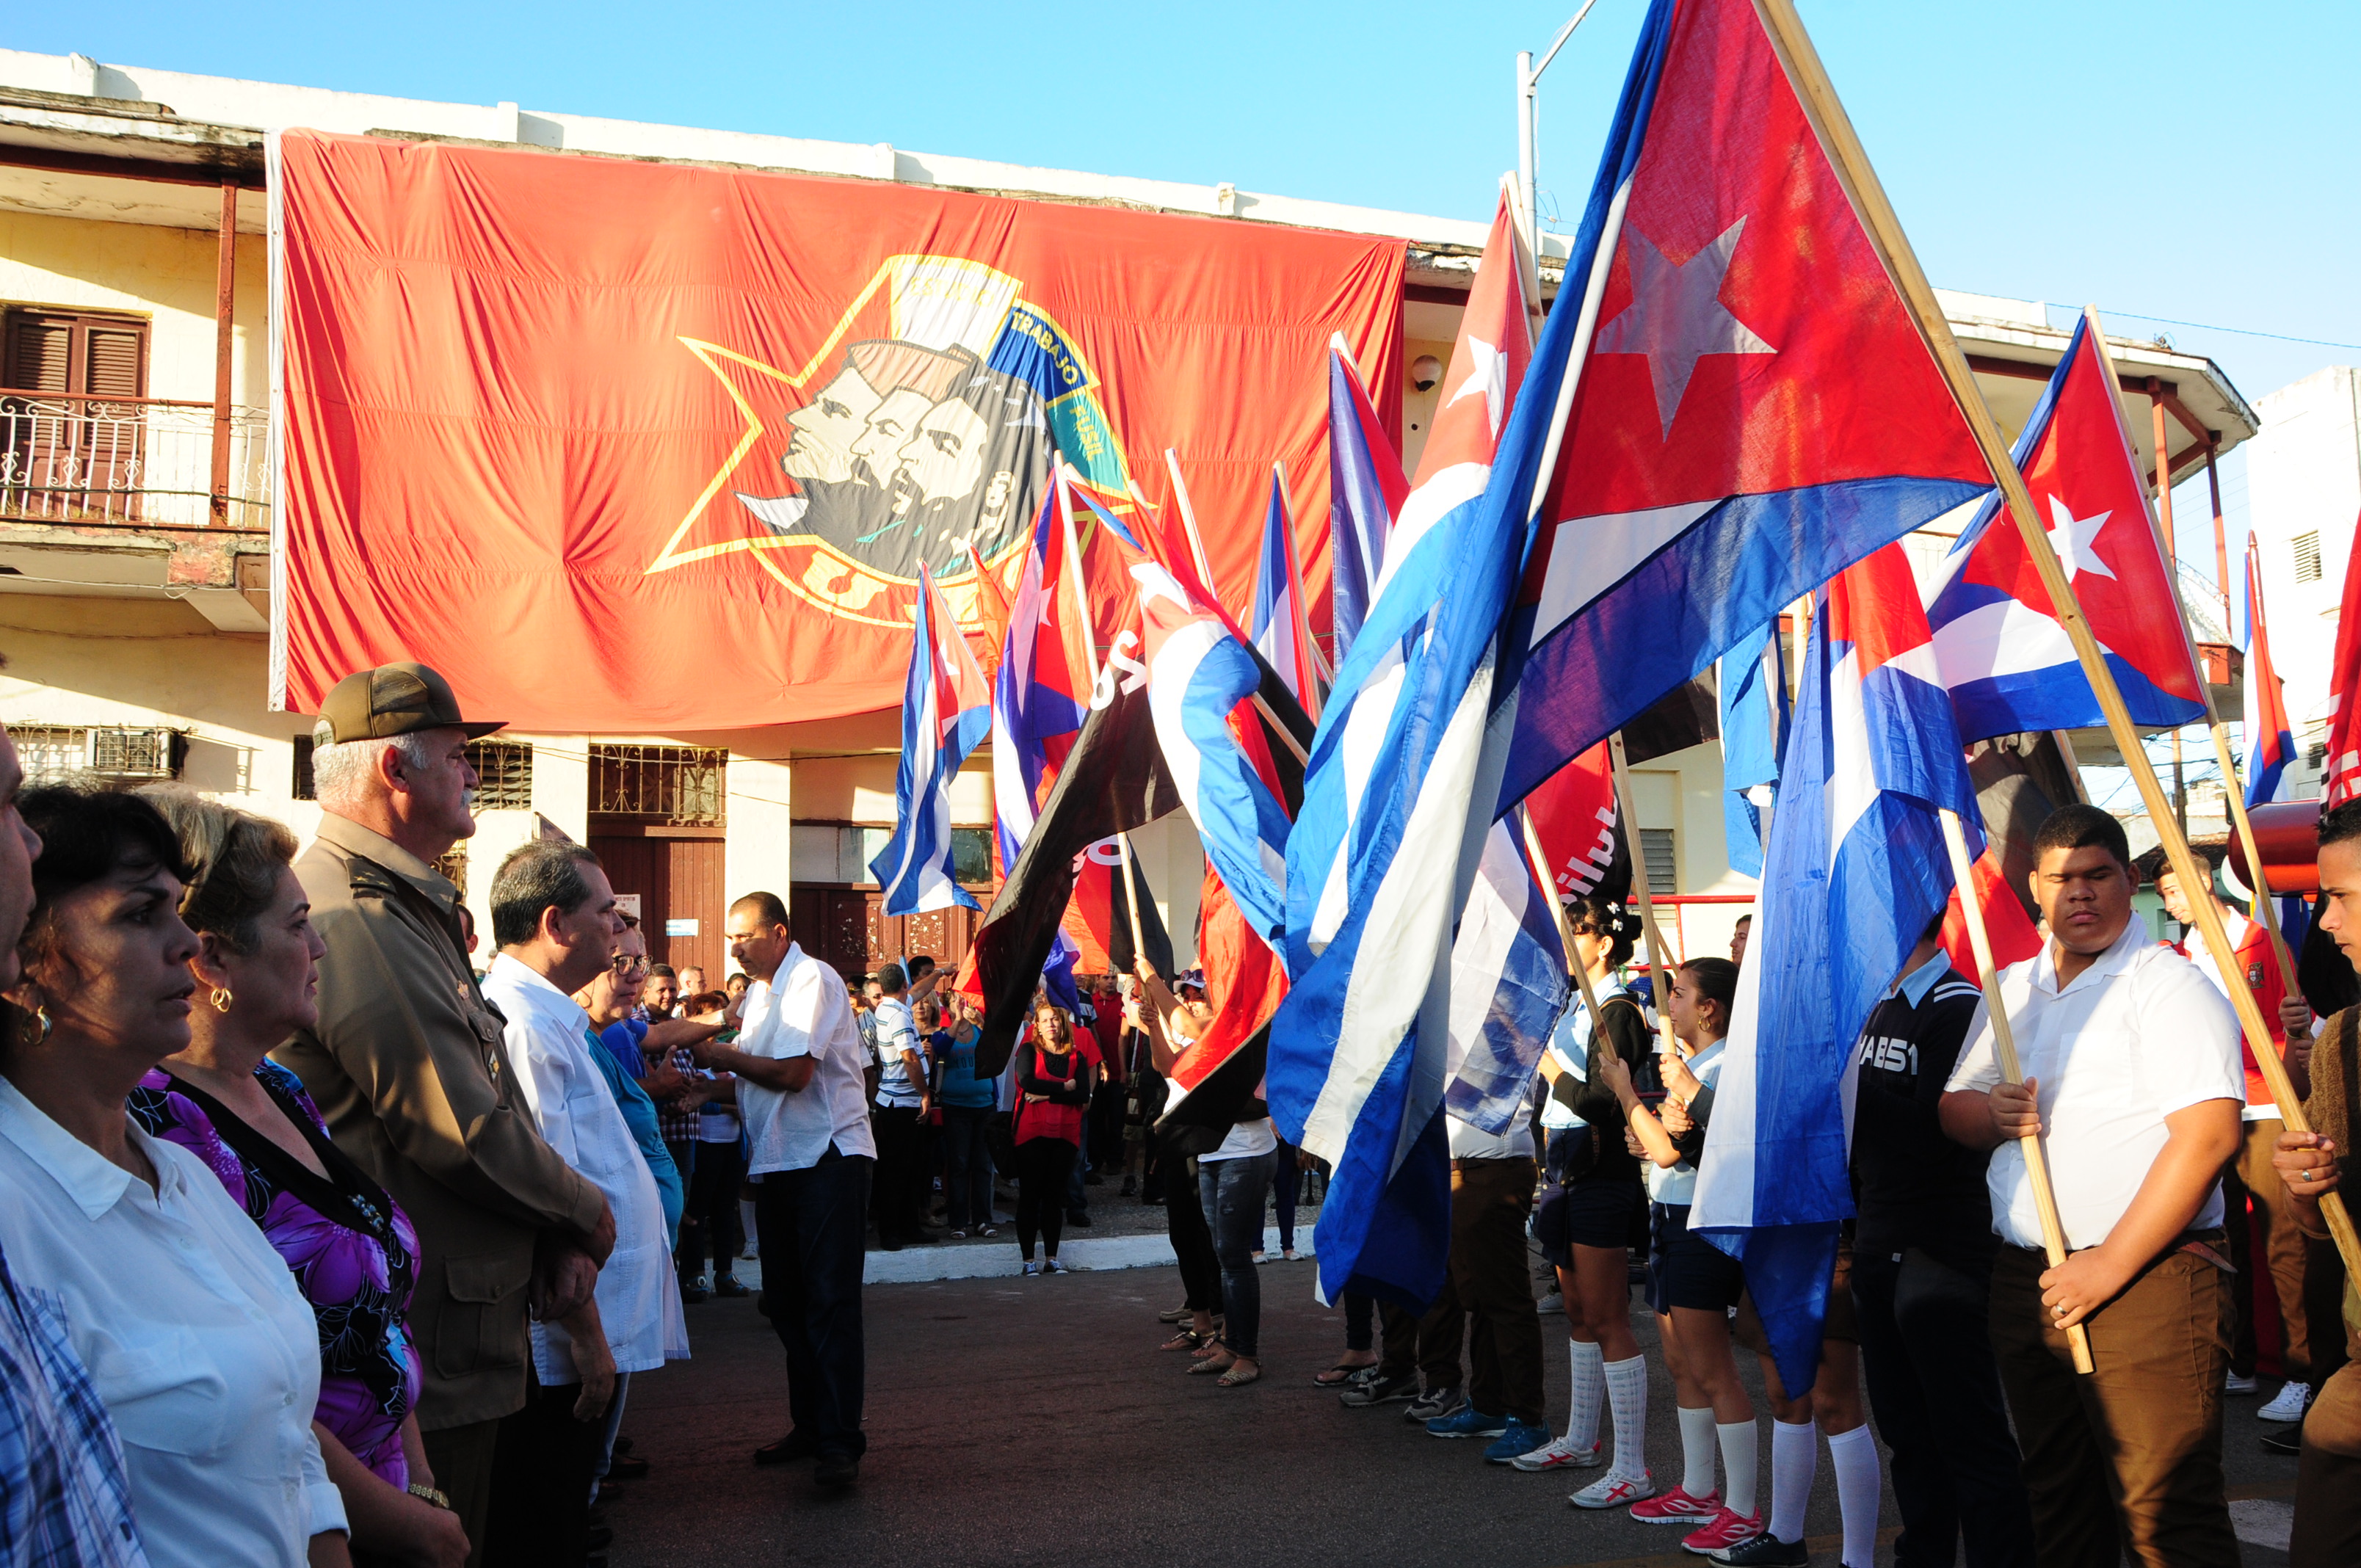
pixel 554 917
pixel 196 1337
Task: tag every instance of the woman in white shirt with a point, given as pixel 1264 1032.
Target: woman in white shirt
pixel 197 1339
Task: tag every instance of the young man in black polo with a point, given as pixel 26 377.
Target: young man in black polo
pixel 1923 1254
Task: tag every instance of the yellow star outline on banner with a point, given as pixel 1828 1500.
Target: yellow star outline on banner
pixel 712 356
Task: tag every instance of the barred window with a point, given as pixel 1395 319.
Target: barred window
pixel 2307 557
pixel 678 786
pixel 50 752
pixel 453 863
pixel 503 773
pixel 301 787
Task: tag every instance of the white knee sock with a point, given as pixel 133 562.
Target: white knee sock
pixel 1589 1392
pixel 1696 1450
pixel 1853 1456
pixel 1737 1462
pixel 1794 1455
pixel 1627 1395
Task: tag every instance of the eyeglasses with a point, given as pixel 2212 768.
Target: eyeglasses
pixel 625 963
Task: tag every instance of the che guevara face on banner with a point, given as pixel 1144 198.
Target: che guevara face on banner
pixel 932 432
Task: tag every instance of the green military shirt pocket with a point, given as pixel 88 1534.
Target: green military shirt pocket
pixel 483 1318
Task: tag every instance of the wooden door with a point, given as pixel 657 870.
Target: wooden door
pixel 681 904
pixel 848 928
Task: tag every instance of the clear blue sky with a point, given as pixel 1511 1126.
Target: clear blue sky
pixel 2189 161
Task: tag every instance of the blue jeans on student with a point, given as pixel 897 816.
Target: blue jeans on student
pixel 1233 1193
pixel 810 1227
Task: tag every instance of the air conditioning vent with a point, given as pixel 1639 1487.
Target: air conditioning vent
pixel 138 754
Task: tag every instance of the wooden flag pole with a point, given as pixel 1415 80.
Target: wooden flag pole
pixel 1188 522
pixel 1131 896
pixel 2235 800
pixel 1548 878
pixel 1659 955
pixel 2036 1164
pixel 1884 231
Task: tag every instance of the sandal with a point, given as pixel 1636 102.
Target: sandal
pixel 1237 1377
pixel 988 1231
pixel 1342 1372
pixel 956 1236
pixel 1187 1339
pixel 1206 1368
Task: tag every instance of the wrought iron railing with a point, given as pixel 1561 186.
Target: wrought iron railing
pixel 74 460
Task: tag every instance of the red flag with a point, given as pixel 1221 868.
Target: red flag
pixel 1573 818
pixel 1244 983
pixel 2343 761
pixel 2013 936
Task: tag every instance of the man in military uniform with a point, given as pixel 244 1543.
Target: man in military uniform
pixel 408 1066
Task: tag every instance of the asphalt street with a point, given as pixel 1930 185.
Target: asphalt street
pixel 1033 1421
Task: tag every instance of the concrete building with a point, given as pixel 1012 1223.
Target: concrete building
pixel 135 557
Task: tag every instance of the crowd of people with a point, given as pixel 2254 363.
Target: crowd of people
pixel 323 1246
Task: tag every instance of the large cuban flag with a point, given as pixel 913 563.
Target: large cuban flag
pixel 1282 634
pixel 1752 407
pixel 2002 649
pixel 1754 723
pixel 1198 675
pixel 1855 871
pixel 1508 986
pixel 1396 806
pixel 1367 487
pixel 946 711
pixel 2270 740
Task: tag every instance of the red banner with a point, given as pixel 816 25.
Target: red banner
pixel 623 445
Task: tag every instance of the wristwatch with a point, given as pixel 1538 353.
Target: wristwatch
pixel 432 1497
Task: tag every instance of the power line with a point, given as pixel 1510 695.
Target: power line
pixel 2236 331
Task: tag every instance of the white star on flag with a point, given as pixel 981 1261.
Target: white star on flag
pixel 1487 372
pixel 1676 316
pixel 2076 539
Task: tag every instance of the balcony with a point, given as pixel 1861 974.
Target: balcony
pixel 161 463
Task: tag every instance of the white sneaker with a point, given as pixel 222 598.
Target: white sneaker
pixel 2288 1404
pixel 2233 1383
pixel 1031 1268
pixel 1615 1492
pixel 1562 1455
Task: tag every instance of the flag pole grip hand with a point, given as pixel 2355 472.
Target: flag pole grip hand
pixel 2037 1164
pixel 1546 876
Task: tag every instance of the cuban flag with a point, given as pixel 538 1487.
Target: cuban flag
pixel 2270 740
pixel 1042 690
pixel 1282 634
pixel 1508 986
pixel 946 710
pixel 1750 407
pixel 1396 804
pixel 1365 491
pixel 1201 682
pixel 2002 649
pixel 1855 870
pixel 1754 723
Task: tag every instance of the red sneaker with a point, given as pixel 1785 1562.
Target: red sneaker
pixel 1677 1506
pixel 1724 1529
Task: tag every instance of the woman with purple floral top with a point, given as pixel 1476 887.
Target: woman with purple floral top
pixel 352 1251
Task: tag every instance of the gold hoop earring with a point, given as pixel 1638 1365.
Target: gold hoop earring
pixel 221 999
pixel 36 1028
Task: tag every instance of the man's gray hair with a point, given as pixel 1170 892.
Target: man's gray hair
pixel 541 874
pixel 345 774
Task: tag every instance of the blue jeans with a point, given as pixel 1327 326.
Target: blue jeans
pixel 967 1168
pixel 1233 1193
pixel 810 1223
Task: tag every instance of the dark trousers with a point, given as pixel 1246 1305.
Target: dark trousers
pixel 809 1225
pixel 1076 1198
pixel 901 1166
pixel 542 1469
pixel 1430 1343
pixel 1192 1239
pixel 1359 1331
pixel 2128 1459
pixel 1286 1182
pixel 1042 1166
pixel 1490 1202
pixel 684 1160
pixel 2324 1301
pixel 1232 1191
pixel 2328 1477
pixel 1926 1350
pixel 462 1460
pixel 967 1168
pixel 712 1218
